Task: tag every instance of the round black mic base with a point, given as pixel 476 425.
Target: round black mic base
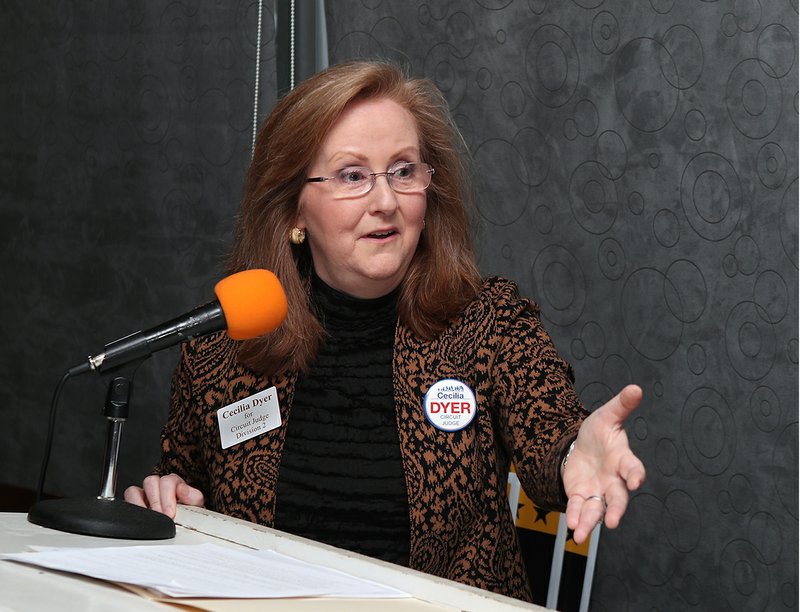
pixel 105 518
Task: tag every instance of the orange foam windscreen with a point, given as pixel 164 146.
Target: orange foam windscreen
pixel 253 301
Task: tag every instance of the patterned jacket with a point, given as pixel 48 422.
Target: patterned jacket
pixel 461 525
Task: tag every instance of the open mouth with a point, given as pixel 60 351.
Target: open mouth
pixel 381 235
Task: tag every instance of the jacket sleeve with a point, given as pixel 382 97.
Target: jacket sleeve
pixel 538 411
pixel 181 437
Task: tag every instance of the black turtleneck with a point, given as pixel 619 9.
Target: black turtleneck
pixel 341 479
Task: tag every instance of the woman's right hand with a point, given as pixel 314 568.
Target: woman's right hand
pixel 164 493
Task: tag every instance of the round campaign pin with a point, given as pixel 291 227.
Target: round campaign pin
pixel 450 405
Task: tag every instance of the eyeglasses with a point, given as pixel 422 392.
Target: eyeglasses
pixel 354 181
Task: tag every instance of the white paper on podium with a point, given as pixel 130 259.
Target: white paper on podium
pixel 208 570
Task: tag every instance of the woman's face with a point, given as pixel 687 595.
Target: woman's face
pixel 363 245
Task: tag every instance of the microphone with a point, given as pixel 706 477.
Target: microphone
pixel 249 304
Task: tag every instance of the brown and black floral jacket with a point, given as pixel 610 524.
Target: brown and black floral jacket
pixel 461 525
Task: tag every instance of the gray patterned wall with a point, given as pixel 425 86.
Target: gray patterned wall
pixel 640 182
pixel 639 168
pixel 127 129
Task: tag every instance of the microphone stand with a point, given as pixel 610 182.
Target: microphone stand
pixel 104 515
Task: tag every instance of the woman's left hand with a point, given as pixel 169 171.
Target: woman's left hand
pixel 601 468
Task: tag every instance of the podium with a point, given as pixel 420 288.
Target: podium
pixel 27 587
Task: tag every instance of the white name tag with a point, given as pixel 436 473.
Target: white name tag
pixel 249 417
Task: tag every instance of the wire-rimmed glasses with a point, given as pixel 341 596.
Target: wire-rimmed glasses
pixel 355 181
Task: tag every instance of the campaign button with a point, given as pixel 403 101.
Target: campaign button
pixel 450 405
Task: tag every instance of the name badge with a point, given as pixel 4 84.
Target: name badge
pixel 249 417
pixel 450 405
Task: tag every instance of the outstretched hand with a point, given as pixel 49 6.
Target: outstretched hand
pixel 601 468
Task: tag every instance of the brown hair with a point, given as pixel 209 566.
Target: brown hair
pixel 442 277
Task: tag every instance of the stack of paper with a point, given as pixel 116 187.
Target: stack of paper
pixel 208 570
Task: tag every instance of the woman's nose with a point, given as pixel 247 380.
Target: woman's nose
pixel 382 196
